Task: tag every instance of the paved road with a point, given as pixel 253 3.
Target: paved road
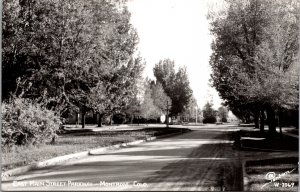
pixel 199 160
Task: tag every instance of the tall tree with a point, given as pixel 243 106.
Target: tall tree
pixel 159 97
pixel 115 92
pixel 175 84
pixel 164 72
pixel 181 92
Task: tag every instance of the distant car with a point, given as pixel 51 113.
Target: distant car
pixel 219 123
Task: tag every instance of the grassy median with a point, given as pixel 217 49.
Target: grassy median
pixel 69 143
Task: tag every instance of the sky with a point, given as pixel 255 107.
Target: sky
pixel 178 30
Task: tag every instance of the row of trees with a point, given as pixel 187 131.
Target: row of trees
pixel 255 58
pixel 169 94
pixel 210 115
pixel 68 56
pixel 149 102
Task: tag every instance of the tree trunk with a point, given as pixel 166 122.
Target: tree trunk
pixel 279 123
pixel 256 120
pixel 77 119
pixel 262 121
pixel 83 119
pixel 111 120
pixel 53 141
pixel 131 120
pixel 248 120
pixel 271 120
pixel 100 119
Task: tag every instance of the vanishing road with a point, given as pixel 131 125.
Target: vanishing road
pixel 203 159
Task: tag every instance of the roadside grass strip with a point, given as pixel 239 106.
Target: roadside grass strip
pixel 71 143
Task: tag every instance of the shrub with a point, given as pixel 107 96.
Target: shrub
pixel 210 120
pixel 224 120
pixel 25 122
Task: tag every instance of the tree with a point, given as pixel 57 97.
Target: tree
pixel 159 97
pixel 209 114
pixel 181 92
pixel 148 108
pixel 190 110
pixel 175 84
pixel 164 72
pixel 253 53
pixel 223 114
pixel 133 109
pixel 114 93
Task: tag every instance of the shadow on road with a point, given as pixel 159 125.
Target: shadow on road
pixel 210 166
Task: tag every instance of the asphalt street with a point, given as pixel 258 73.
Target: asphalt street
pixel 203 159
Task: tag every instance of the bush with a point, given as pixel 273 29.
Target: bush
pixel 224 120
pixel 210 120
pixel 119 118
pixel 25 122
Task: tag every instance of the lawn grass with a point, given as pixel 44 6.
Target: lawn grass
pixel 69 143
pixel 268 143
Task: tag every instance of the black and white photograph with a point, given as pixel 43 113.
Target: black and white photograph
pixel 150 95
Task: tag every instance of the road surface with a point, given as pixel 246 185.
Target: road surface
pixel 203 159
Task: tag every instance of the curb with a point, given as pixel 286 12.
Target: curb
pixel 118 146
pixel 61 159
pixel 261 149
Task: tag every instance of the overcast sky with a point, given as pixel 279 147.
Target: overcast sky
pixel 178 30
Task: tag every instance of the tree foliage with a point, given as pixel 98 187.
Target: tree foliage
pixel 209 114
pixel 149 102
pixel 70 54
pixel 148 109
pixel 223 113
pixel 160 98
pixel 175 84
pixel 190 111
